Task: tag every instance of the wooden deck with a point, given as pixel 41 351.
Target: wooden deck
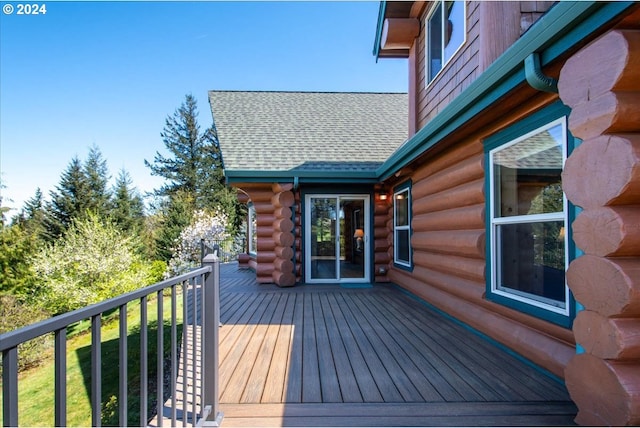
pixel 332 356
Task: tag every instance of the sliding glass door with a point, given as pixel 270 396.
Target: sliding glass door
pixel 336 238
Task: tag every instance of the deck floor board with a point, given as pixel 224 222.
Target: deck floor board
pixel 324 355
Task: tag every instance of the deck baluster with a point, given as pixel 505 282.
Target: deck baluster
pixel 144 392
pixel 60 377
pixel 185 327
pixel 96 370
pixel 174 356
pixel 160 361
pixel 194 320
pixel 122 372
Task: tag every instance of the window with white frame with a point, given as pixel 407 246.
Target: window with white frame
pixel 402 227
pixel 445 30
pixel 528 221
pixel 252 237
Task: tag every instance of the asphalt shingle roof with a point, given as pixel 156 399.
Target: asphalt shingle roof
pixel 308 131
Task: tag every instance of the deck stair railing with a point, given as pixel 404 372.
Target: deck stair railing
pixel 199 291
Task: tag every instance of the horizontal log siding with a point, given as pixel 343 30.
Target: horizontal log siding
pixel 457 74
pixel 601 84
pixel 448 241
pixel 283 236
pixel 275 231
pixel 382 229
pixel 297 234
pixel 265 245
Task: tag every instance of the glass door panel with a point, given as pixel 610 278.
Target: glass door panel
pixel 352 237
pixel 323 217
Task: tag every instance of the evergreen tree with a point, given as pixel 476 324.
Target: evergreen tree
pixel 15 251
pixel 214 192
pixel 97 179
pixel 181 137
pixel 175 214
pixel 195 164
pixel 3 209
pixel 195 171
pixel 33 216
pixel 68 201
pixel 127 210
pixel 82 190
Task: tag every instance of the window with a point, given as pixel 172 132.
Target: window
pixel 252 236
pixel 445 31
pixel 528 222
pixel 402 227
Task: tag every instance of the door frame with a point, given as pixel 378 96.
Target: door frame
pixel 366 202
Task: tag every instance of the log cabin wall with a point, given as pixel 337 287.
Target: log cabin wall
pixel 274 230
pixel 448 239
pixel 297 233
pixel 283 199
pixel 382 235
pixel 601 84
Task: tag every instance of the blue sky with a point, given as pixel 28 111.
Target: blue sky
pixel 109 73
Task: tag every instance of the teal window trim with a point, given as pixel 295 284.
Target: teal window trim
pixel 401 264
pixel 529 124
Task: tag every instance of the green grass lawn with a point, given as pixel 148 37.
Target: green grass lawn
pixel 36 386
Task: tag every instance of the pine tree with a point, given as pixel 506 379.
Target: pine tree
pixel 67 201
pixel 176 214
pixel 82 190
pixel 195 171
pixel 195 164
pixel 127 208
pixel 33 216
pixel 97 178
pixel 3 209
pixel 15 251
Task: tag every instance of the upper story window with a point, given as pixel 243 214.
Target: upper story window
pixel 402 226
pixel 528 223
pixel 445 30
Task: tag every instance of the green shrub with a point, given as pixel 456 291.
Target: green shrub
pixel 15 314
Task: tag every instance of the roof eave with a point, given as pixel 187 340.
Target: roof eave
pixel 316 176
pixel 562 27
pixel 378 39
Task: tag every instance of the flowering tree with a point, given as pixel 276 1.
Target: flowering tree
pixel 205 226
pixel 92 262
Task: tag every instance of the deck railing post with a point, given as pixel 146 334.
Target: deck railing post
pixel 210 339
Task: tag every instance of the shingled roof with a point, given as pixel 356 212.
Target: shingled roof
pixel 307 133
